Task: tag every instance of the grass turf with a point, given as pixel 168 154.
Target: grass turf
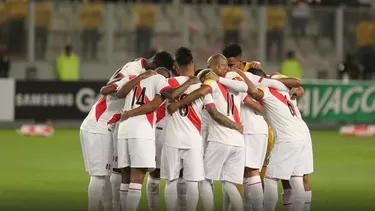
pixel 48 173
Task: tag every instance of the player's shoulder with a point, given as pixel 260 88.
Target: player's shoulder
pixel 233 75
pixel 210 82
pixel 277 75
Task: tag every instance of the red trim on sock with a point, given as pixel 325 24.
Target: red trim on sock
pixel 135 189
pixel 271 178
pixel 254 183
pixel 296 176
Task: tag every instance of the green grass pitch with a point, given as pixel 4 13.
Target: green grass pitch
pixel 48 173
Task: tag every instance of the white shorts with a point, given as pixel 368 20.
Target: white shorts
pixel 159 141
pixel 97 152
pixel 309 155
pixel 136 153
pixel 190 160
pixel 114 141
pixel 255 150
pixel 205 136
pixel 287 159
pixel 225 163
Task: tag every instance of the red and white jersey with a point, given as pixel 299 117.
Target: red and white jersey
pixel 227 103
pixel 143 126
pixel 134 67
pixel 282 116
pixel 106 110
pixel 161 113
pixel 294 102
pixel 205 120
pixel 253 123
pixel 184 127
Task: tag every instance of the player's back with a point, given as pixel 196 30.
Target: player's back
pixel 105 110
pixel 294 101
pixel 227 103
pixel 134 67
pixel 184 127
pixel 145 91
pixel 282 116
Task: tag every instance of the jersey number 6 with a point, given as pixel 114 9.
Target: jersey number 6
pixel 290 106
pixel 183 110
pixel 138 98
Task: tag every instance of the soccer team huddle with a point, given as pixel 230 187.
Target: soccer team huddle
pixel 191 127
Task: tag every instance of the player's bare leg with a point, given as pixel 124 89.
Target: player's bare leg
pixel 116 183
pixel 308 193
pixel 253 190
pixel 287 195
pixel 207 195
pixel 124 187
pixel 153 189
pixel 137 176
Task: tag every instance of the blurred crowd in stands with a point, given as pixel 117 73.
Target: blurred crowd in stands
pixel 297 14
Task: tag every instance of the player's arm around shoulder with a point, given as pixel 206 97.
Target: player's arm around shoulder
pixel 133 80
pixel 175 92
pixel 146 108
pixel 254 105
pixel 252 90
pixel 111 87
pixel 205 89
pixel 222 119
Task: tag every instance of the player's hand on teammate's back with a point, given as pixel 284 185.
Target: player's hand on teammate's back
pixel 171 108
pixel 211 76
pixel 147 74
pixel 124 116
pixel 239 127
pixel 194 80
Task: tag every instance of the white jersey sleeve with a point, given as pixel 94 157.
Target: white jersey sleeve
pixel 133 68
pixel 261 81
pixel 208 101
pixel 161 84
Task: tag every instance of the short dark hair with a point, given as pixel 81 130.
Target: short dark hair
pixel 183 56
pixel 232 50
pixel 164 59
pixel 198 71
pixel 256 71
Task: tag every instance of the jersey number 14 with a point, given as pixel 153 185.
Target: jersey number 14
pixel 138 98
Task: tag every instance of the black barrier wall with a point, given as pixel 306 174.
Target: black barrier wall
pixel 41 100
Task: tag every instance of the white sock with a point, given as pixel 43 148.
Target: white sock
pixel 107 195
pixel 287 199
pixel 298 193
pixel 270 194
pixel 116 182
pixel 153 193
pixel 234 195
pixel 170 195
pixel 207 195
pixel 95 190
pixel 308 199
pixel 134 197
pixel 226 201
pixel 181 195
pixel 254 192
pixel 247 203
pixel 192 195
pixel 124 189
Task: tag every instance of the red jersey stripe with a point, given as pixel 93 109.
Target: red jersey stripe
pixel 101 107
pixel 150 116
pixel 194 118
pixel 160 113
pixel 115 118
pixel 224 91
pixel 260 79
pixel 282 98
pixel 173 83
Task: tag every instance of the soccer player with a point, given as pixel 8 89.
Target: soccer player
pixel 287 157
pixel 136 139
pixel 135 67
pixel 97 146
pixel 224 156
pixel 183 147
